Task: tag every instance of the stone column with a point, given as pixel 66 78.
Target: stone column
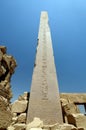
pixel 44 100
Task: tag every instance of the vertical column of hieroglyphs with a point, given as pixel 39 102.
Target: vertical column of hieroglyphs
pixel 44 100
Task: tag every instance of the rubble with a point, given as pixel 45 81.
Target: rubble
pixel 7 66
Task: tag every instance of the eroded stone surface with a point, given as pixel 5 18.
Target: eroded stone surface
pixel 19 106
pixel 22 118
pixel 74 97
pixel 7 66
pixel 44 101
pixel 19 126
pixel 79 120
pixel 36 123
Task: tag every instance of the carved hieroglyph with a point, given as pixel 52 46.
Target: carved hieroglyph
pixel 44 100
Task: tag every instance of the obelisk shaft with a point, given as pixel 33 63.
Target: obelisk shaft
pixel 44 100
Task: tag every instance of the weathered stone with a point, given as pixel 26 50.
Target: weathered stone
pixel 64 101
pixel 34 129
pixel 36 123
pixel 70 108
pixel 79 120
pixel 7 66
pixel 74 97
pixel 14 114
pixel 22 118
pixel 3 49
pixel 44 101
pixel 19 126
pixel 15 119
pixel 66 127
pixel 50 127
pixel 19 106
pixel 10 128
pixel 25 96
pixel 5 113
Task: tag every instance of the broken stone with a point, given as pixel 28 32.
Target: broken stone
pixel 63 101
pixel 7 66
pixel 77 98
pixel 19 126
pixel 5 113
pixel 50 127
pixel 36 123
pixel 3 49
pixel 34 129
pixel 78 120
pixel 66 127
pixel 25 96
pixel 10 128
pixel 19 106
pixel 70 108
pixel 15 119
pixel 22 118
pixel 14 114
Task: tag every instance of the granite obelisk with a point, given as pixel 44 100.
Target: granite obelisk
pixel 44 101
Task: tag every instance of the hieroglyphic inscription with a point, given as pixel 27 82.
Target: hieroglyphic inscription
pixel 44 100
pixel 44 85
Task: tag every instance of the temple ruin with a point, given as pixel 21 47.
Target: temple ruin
pixel 44 108
pixel 7 66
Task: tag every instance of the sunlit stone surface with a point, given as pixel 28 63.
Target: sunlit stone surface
pixel 44 98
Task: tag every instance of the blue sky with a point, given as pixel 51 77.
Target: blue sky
pixel 19 24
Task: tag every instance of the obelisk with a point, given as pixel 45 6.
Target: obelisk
pixel 44 101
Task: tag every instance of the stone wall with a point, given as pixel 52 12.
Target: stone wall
pixel 7 66
pixel 13 116
pixel 70 110
pixel 73 119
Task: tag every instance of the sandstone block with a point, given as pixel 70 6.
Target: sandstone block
pixel 20 126
pixel 36 123
pixel 75 98
pixel 19 106
pixel 34 129
pixel 24 96
pixel 14 114
pixel 14 119
pixel 10 128
pixel 5 113
pixel 22 118
pixel 66 127
pixel 63 101
pixel 50 127
pixel 79 120
pixel 70 108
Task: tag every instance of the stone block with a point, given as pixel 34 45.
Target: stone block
pixel 66 127
pixel 24 96
pixel 15 119
pixel 50 127
pixel 5 113
pixel 22 118
pixel 79 120
pixel 70 108
pixel 20 126
pixel 34 129
pixel 36 123
pixel 19 106
pixel 10 128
